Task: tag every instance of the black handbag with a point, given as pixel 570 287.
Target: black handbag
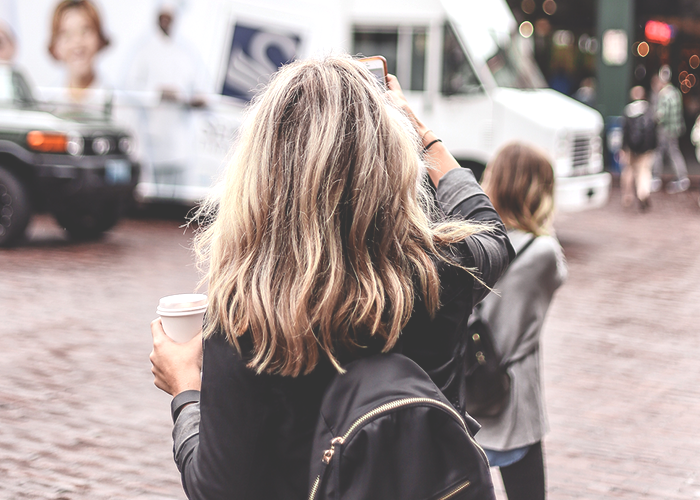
pixel 486 379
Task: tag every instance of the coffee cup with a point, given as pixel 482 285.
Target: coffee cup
pixel 182 315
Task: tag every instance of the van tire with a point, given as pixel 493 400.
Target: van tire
pixel 86 225
pixel 15 208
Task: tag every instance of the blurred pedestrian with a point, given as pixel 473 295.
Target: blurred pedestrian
pixel 77 37
pixel 695 139
pixel 520 183
pixel 321 251
pixel 639 143
pixel 167 65
pixel 586 93
pixel 670 126
pixel 169 79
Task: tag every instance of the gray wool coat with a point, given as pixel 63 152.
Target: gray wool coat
pixel 516 318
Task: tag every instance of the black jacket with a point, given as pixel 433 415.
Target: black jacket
pixel 254 437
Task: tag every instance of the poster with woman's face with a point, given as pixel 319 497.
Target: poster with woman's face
pixel 75 43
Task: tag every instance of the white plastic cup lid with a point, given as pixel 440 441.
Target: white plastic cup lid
pixel 182 303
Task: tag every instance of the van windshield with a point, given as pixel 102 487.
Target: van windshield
pixel 458 75
pixel 512 63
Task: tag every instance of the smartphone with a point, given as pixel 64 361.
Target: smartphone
pixel 377 66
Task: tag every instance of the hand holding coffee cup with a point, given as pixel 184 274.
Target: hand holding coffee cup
pixel 182 315
pixel 176 367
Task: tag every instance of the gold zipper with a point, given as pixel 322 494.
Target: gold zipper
pixel 397 404
pixel 328 454
pixel 459 488
pixel 403 402
pixel 314 488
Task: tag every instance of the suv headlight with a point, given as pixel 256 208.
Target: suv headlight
pixel 100 145
pixel 126 145
pixel 75 144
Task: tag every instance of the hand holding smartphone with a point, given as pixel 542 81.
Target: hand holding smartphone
pixel 377 66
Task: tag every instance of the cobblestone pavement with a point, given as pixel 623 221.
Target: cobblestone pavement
pixel 81 419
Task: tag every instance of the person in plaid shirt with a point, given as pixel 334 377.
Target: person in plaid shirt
pixel 670 126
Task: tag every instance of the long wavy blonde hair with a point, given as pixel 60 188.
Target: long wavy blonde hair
pixel 321 234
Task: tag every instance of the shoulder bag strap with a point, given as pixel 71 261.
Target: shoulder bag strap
pixel 477 308
pixel 525 247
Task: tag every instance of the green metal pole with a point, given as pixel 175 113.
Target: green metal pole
pixel 615 28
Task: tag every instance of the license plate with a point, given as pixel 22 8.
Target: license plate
pixel 117 171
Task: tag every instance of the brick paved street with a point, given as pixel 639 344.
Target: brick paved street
pixel 81 419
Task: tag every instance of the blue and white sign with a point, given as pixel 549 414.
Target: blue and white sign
pixel 256 53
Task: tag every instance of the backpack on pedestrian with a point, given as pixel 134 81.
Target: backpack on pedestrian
pixel 640 130
pixel 487 382
pixel 385 431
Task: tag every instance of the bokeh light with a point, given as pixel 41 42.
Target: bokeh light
pixel 640 72
pixel 528 6
pixel 563 38
pixel 549 7
pixel 592 45
pixel 643 49
pixel 692 80
pixel 543 27
pixel 682 76
pixel 694 61
pixel 583 40
pixel 526 29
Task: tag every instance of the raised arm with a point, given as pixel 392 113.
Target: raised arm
pixel 460 195
pixel 437 155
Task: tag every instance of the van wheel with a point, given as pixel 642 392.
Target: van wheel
pixel 91 224
pixel 15 208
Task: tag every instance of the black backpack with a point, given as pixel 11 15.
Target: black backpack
pixel 487 383
pixel 640 132
pixel 385 431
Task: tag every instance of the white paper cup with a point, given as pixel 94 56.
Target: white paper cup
pixel 182 315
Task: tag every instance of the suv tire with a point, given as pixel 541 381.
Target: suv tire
pixel 15 208
pixel 89 225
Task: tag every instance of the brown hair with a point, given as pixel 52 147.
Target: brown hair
pixel 320 235
pixel 89 10
pixel 520 183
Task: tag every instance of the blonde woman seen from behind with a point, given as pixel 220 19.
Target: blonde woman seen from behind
pixel 520 183
pixel 324 246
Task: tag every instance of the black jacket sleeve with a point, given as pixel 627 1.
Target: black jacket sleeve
pixel 221 444
pixel 459 195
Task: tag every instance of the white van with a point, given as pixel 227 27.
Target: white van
pixel 473 78
pixel 465 69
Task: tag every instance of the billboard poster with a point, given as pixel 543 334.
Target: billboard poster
pixel 256 53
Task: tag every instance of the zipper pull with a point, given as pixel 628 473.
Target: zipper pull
pixel 328 454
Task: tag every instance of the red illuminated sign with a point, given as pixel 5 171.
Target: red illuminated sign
pixel 658 32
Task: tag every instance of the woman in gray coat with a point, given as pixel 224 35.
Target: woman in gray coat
pixel 520 183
